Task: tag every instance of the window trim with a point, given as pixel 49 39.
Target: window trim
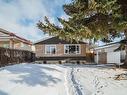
pixel 75 45
pixel 50 52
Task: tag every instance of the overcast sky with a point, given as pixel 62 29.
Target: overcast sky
pixel 21 16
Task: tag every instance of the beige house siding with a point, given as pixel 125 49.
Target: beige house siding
pixel 4 44
pixel 7 43
pixel 40 50
pixel 10 41
pixel 14 44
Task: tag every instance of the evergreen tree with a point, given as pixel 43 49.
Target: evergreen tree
pixel 89 19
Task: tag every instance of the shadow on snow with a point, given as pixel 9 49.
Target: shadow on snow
pixel 33 75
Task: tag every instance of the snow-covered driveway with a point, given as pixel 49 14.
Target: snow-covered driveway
pixel 49 79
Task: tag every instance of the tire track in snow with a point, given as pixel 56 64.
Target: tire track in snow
pixel 75 84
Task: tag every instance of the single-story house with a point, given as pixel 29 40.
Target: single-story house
pixel 107 54
pixel 11 40
pixel 55 49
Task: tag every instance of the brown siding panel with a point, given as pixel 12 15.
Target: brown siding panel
pixel 83 49
pixel 60 49
pixel 40 50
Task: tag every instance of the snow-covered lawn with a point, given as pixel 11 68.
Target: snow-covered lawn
pixel 55 79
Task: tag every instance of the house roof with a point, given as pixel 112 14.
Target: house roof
pixel 14 35
pixel 107 45
pixel 55 40
pixel 45 38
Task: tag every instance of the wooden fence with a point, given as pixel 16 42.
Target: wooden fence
pixel 13 56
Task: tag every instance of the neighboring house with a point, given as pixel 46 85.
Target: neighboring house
pixel 107 54
pixel 11 40
pixel 55 49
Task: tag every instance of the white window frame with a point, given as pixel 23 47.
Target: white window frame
pixel 70 45
pixel 50 49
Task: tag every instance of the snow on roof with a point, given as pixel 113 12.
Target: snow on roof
pixel 107 45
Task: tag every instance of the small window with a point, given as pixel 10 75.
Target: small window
pixel 72 49
pixel 50 49
pixel 6 45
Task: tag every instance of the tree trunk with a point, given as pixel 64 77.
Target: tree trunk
pixel 126 56
pixel 125 32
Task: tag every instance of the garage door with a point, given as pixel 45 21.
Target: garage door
pixel 113 57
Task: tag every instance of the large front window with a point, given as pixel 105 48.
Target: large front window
pixel 72 49
pixel 50 49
